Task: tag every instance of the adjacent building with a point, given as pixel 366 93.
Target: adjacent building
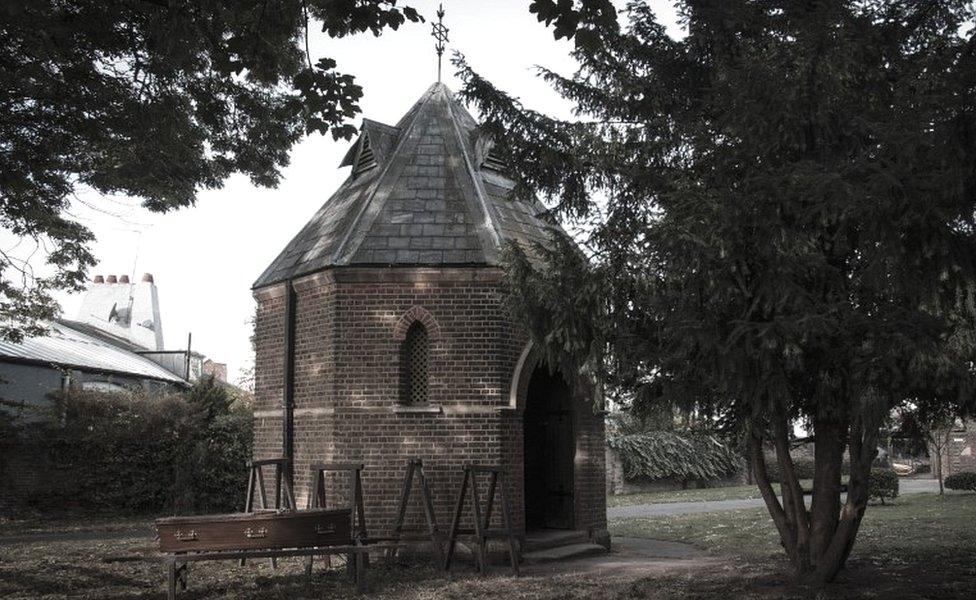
pixel 114 343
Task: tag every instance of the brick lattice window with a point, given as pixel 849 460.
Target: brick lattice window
pixel 415 366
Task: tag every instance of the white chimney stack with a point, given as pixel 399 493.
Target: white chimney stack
pixel 124 309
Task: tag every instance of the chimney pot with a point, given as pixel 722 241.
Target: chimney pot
pixel 98 279
pixel 123 279
pixel 147 277
pixel 112 279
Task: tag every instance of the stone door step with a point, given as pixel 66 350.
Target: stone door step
pixel 544 539
pixel 563 553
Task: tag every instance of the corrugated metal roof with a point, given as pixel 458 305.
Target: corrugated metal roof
pixel 68 347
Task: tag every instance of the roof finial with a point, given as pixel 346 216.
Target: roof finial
pixel 440 34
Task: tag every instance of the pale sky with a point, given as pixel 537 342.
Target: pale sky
pixel 204 259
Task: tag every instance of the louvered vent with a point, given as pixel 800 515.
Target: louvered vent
pixel 415 366
pixel 494 162
pixel 366 159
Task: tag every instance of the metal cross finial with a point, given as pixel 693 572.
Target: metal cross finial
pixel 440 34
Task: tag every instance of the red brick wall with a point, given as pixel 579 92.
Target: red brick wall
pixel 269 327
pixel 347 373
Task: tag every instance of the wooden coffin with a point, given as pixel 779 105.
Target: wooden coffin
pixel 255 531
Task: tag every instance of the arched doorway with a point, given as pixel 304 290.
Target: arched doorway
pixel 549 451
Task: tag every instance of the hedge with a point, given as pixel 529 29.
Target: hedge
pixel 882 484
pixel 802 466
pixel 964 481
pixel 182 453
pixel 668 455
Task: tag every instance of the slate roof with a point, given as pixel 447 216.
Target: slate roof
pixel 419 193
pixel 66 345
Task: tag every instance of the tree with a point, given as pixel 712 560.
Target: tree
pixel 781 223
pixel 939 437
pixel 934 432
pixel 931 411
pixel 156 99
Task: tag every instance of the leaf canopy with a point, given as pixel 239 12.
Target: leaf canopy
pixel 155 99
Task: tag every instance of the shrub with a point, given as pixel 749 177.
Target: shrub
pixel 802 465
pixel 668 455
pixel 135 452
pixel 883 484
pixel 965 481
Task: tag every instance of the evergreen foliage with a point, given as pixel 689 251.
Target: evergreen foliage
pixel 964 481
pixel 180 453
pixel 780 211
pixel 883 484
pixel 670 455
pixel 155 99
pixel 803 466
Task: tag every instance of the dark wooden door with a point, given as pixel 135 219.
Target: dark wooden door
pixel 560 450
pixel 550 449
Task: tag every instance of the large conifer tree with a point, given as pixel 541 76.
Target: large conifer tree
pixel 781 210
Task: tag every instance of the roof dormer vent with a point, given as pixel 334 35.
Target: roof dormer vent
pixel 494 162
pixel 366 159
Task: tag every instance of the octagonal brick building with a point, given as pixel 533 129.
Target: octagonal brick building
pixel 382 334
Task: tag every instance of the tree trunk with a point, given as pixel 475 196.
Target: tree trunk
pixel 828 464
pixel 862 445
pixel 819 540
pixel 939 444
pixel 786 535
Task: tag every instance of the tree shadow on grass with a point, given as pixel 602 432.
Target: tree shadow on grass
pixel 942 577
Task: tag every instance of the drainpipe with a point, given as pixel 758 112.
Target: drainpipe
pixel 288 392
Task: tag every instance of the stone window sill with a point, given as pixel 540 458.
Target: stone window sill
pixel 432 410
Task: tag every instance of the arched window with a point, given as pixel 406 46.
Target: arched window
pixel 415 366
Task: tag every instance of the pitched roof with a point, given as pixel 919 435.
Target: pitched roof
pixel 69 344
pixel 424 192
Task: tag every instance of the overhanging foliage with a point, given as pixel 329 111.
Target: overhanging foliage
pixel 671 455
pixel 154 99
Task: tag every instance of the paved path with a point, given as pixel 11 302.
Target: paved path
pixel 630 558
pixel 906 486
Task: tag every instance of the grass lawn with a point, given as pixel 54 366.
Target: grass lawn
pixel 734 492
pixel 36 523
pixel 64 570
pixel 921 546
